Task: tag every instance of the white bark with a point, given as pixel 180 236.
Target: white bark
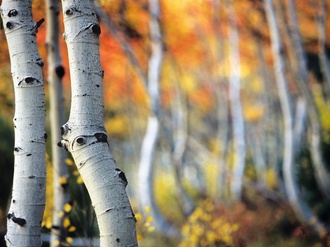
pixel 55 74
pixel 303 212
pixel 321 174
pixel 236 109
pixel 28 195
pixel 84 134
pixel 145 172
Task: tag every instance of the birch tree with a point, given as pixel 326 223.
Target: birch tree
pixel 146 168
pixel 55 74
pixel 321 174
pixel 84 134
pixel 28 194
pixel 236 108
pixel 302 210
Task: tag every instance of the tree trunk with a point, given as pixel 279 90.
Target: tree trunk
pixel 303 212
pixel 236 108
pixel 321 174
pixel 84 134
pixel 55 74
pixel 145 173
pixel 28 195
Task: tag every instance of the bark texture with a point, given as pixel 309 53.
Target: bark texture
pixel 84 134
pixel 28 194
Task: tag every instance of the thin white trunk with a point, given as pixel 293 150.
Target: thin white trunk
pixel 301 209
pixel 149 143
pixel 321 174
pixel 84 134
pixel 55 74
pixel 236 109
pixel 28 195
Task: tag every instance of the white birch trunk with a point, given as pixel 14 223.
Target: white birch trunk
pixel 145 172
pixel 84 134
pixel 303 212
pixel 55 74
pixel 28 195
pixel 321 174
pixel 236 109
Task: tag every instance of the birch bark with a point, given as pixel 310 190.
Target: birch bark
pixel 321 174
pixel 236 109
pixel 145 172
pixel 55 74
pixel 303 212
pixel 28 194
pixel 84 134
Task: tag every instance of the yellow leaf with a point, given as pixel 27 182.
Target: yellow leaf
pixel 67 207
pixel 69 162
pixel 138 217
pixel 56 242
pixel 139 237
pixel 69 240
pixel 149 219
pixel 49 223
pixel 72 229
pixel 151 228
pixel 80 180
pixel 147 209
pixel 76 172
pixel 66 222
pixel 63 180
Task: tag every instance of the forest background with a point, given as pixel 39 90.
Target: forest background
pixel 193 187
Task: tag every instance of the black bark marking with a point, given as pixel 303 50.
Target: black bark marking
pixel 19 221
pixel 81 140
pixel 40 62
pixel 17 149
pixel 101 137
pixel 29 80
pixel 38 23
pixel 32 177
pixel 60 72
pixel 97 85
pixel 71 11
pixel 122 176
pixel 28 154
pixel 45 136
pixel 117 240
pixel 12 12
pixel 10 25
pixel 96 29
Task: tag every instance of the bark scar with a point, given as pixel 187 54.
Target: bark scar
pixel 18 221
